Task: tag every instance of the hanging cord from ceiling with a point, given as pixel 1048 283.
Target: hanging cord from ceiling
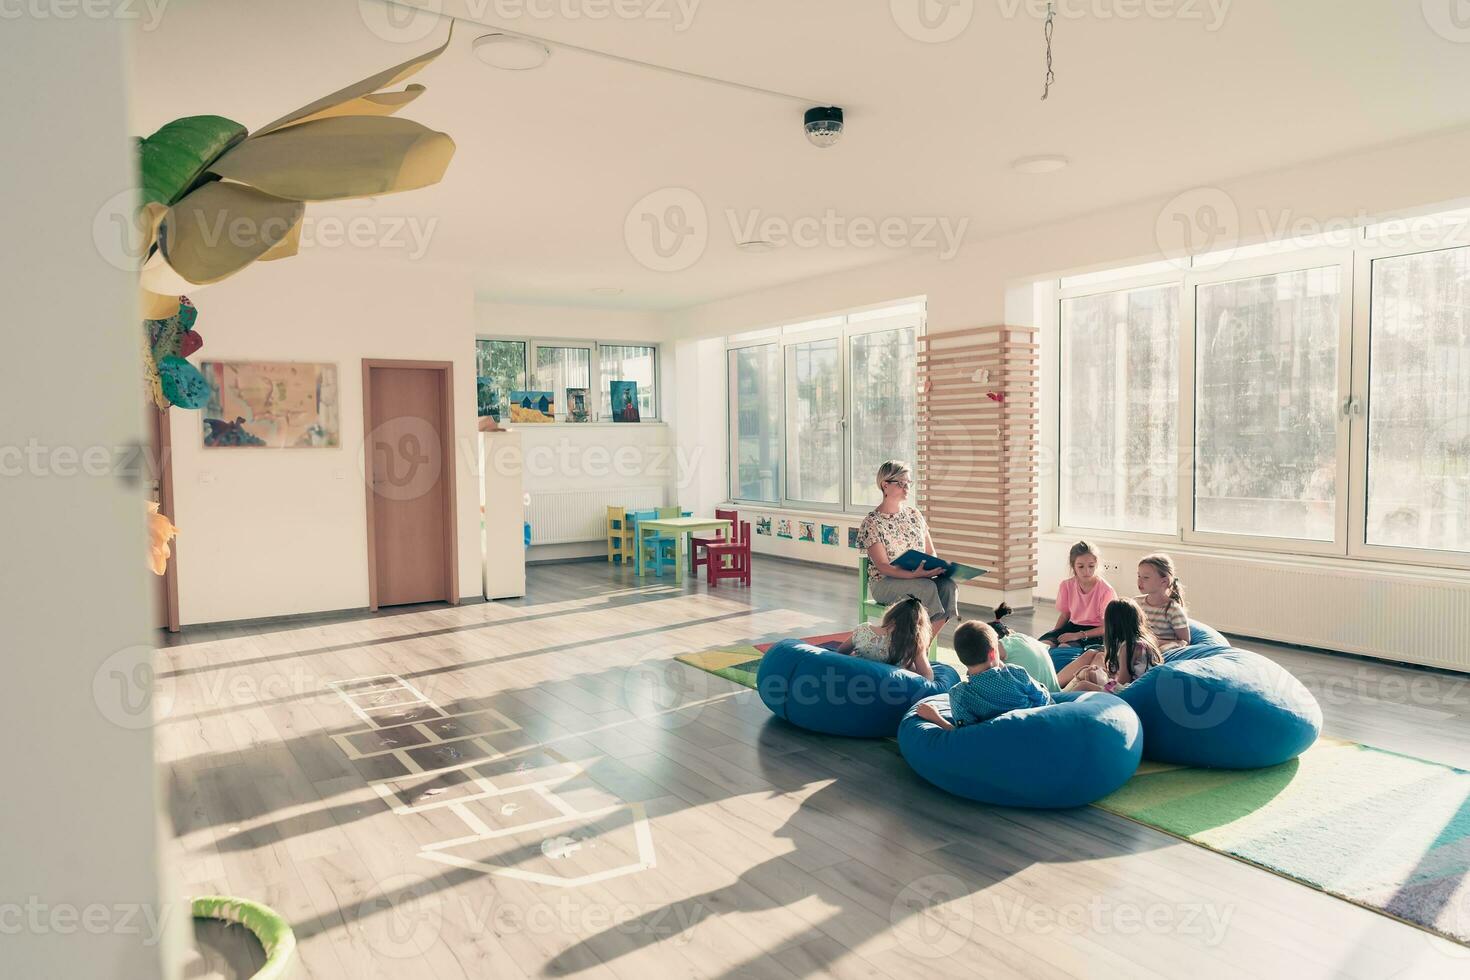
pixel 1046 31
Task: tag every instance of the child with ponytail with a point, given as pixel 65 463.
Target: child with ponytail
pixel 1163 601
pixel 901 639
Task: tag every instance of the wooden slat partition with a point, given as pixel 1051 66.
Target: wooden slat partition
pixel 977 457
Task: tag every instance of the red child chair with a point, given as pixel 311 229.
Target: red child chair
pixel 698 545
pixel 736 551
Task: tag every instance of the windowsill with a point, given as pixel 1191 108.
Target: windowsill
pixel 1338 563
pixel 854 516
pixel 562 423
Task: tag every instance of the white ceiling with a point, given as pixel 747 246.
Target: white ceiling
pixel 551 161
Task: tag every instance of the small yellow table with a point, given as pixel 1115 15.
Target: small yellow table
pixel 680 528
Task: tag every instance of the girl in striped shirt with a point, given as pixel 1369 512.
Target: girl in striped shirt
pixel 1163 601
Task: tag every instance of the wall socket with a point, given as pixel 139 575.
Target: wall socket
pixel 1110 566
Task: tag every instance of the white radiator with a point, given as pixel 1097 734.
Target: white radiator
pixel 569 516
pixel 1377 611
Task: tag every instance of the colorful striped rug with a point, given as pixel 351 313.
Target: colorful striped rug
pixel 1385 831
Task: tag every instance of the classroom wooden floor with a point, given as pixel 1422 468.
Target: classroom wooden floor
pixel 589 807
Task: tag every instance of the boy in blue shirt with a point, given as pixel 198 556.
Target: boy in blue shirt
pixel 992 686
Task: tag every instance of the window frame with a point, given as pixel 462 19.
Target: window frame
pixel 908 313
pixel 596 381
pixel 731 417
pixel 1150 280
pixel 1255 268
pixel 1355 258
pixel 1358 546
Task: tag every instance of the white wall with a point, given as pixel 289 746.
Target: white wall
pixel 81 819
pixel 990 281
pixel 284 531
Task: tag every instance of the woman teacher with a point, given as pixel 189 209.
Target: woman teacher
pixel 889 530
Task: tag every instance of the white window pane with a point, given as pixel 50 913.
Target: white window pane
pixel 883 368
pixel 755 415
pixel 1419 402
pixel 560 368
pixel 1119 410
pixel 1266 414
pixel 500 368
pixel 814 422
pixel 628 363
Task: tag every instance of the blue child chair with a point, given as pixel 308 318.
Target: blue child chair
pixel 658 549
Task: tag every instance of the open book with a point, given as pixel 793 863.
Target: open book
pixel 913 560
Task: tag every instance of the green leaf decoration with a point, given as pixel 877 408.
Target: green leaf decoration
pixel 182 383
pixel 174 158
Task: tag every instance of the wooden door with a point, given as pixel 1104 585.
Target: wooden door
pixel 409 466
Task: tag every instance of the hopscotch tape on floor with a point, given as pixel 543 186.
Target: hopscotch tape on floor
pixel 379 692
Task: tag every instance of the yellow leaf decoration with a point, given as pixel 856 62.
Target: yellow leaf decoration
pixel 325 107
pixel 340 157
pixel 220 228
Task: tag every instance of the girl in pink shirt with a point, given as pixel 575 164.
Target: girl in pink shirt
pixel 1081 600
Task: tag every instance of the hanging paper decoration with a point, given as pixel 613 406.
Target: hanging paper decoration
pixel 204 173
pixel 160 532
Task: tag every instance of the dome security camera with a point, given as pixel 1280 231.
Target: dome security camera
pixel 823 125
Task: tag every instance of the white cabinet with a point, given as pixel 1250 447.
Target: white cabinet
pixel 502 515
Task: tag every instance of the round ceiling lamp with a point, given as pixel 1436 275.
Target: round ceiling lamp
pixel 511 52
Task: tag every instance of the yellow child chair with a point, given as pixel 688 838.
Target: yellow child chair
pixel 619 535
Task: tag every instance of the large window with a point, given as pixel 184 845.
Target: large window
pixel 815 407
pixel 500 368
pixel 814 421
pixel 629 362
pixel 1119 401
pixel 883 370
pixel 755 423
pixel 1298 399
pixel 1419 402
pixel 1266 383
pixel 503 365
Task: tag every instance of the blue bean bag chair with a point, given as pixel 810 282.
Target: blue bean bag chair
pixel 836 694
pixel 1223 708
pixel 1202 639
pixel 1062 755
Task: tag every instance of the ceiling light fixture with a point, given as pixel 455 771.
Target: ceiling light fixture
pixel 823 125
pixel 511 52
pixel 1045 164
pixel 757 245
pixel 607 290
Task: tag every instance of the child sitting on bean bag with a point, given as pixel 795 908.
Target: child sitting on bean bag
pixel 901 639
pixel 1129 650
pixel 991 688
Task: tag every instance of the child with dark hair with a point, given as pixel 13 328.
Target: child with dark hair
pixel 901 638
pixel 991 686
pixel 1129 651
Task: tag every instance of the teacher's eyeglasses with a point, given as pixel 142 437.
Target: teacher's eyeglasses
pixel 905 484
